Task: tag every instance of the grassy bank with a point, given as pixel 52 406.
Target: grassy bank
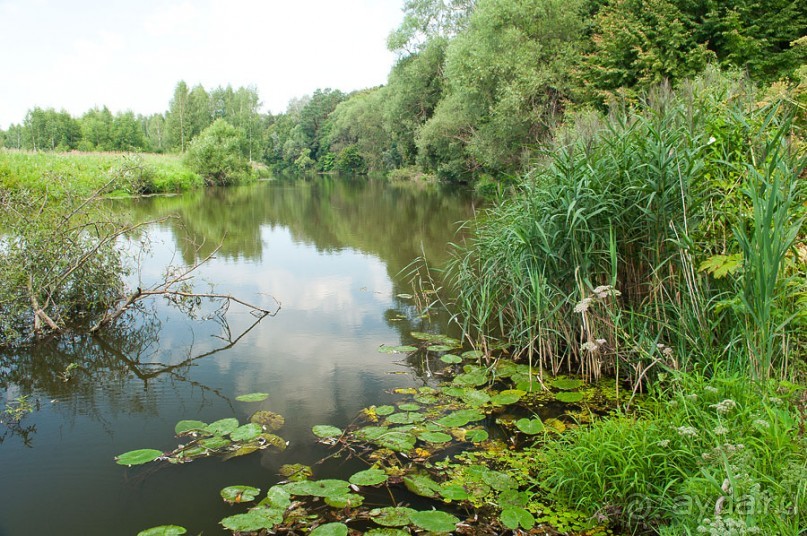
pixel 83 173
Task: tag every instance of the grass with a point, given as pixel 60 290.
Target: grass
pixel 84 173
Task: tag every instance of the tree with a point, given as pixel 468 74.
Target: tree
pixel 47 129
pixel 177 119
pixel 200 115
pixel 154 128
pixel 96 129
pixel 216 154
pixel 429 19
pixel 356 134
pixel 127 133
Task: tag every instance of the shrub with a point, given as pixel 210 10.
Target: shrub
pixel 216 155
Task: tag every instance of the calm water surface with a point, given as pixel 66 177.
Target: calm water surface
pixel 330 250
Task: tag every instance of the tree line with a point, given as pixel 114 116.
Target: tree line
pixel 476 91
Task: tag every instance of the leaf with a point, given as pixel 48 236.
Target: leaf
pixel 722 265
pixel 453 492
pixel 530 426
pixel 514 516
pixel 247 432
pixel 242 451
pixel 369 477
pixel 273 440
pixel 476 435
pixel 330 529
pixel 472 379
pixel 438 339
pixel 460 418
pixel 408 407
pixel 406 349
pixel 215 443
pixel 325 431
pixel 451 359
pixel 434 521
pixel 397 441
pixel 386 532
pixel 405 418
pixel 498 480
pixel 253 397
pixel 505 398
pixel 421 485
pixel 254 520
pixel 277 497
pixel 318 488
pixel 222 427
pixel 440 348
pixel 350 500
pixel 295 472
pixel 385 410
pixel 569 397
pixel 272 421
pixel 473 354
pixel 391 516
pixel 239 494
pixel 435 437
pixel 163 530
pixel 567 384
pixel 183 427
pixel 138 457
pixel 475 398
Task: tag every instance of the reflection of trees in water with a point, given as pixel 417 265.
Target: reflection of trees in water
pixel 71 370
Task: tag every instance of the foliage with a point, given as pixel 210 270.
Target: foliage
pixel 216 154
pixel 703 452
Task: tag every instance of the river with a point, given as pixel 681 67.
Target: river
pixel 334 252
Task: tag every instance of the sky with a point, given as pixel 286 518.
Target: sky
pixel 74 55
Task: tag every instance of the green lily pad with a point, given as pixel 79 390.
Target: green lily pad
pixel 385 410
pixel 270 420
pixel 471 379
pixel 477 435
pixel 318 488
pixel 505 398
pixel 369 477
pixel 163 530
pixel 451 359
pixel 437 339
pixel 408 407
pixel 295 471
pixel 138 457
pixel 409 417
pixel 253 397
pixel 513 517
pixel 391 516
pixel 397 441
pixel 370 433
pixel 434 521
pixel 222 427
pixel 215 443
pixel 421 485
pixel 247 432
pixel 473 354
pixel 330 529
pixel 453 492
pixel 326 430
pixel 384 349
pixel 569 397
pixel 567 384
pixel 426 399
pixel 277 497
pixel 242 451
pixel 498 480
pixel 460 418
pixel 530 426
pixel 273 440
pixel 239 494
pixel 440 348
pixel 435 437
pixel 184 427
pixel 386 532
pixel 475 398
pixel 349 500
pixel 254 520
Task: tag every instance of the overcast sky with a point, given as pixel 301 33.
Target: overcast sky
pixel 129 54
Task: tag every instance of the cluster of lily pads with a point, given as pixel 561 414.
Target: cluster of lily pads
pixel 488 407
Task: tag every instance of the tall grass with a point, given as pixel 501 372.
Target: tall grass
pixel 596 260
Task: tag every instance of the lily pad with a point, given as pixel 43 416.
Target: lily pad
pixel 349 500
pixel 475 398
pixel 185 426
pixel 242 451
pixel 326 430
pixel 434 521
pixel 409 417
pixel 369 477
pixel 453 492
pixel 138 457
pixel 421 485
pixel 435 437
pixel 440 348
pixel 505 398
pixel 386 532
pixel 253 397
pixel 513 517
pixel 460 418
pixel 437 339
pixel 239 494
pixel 569 397
pixel 163 530
pixel 330 529
pixel 247 432
pixel 472 379
pixel 530 426
pixel 397 441
pixel 215 443
pixel 451 359
pixel 567 384
pixel 405 349
pixel 473 354
pixel 385 410
pixel 408 407
pixel 222 427
pixel 476 435
pixel 391 516
pixel 268 419
pixel 295 471
pixel 318 488
pixel 273 440
pixel 277 497
pixel 254 520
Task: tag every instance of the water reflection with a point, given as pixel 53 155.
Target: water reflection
pixel 330 250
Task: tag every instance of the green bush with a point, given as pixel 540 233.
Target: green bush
pixel 216 155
